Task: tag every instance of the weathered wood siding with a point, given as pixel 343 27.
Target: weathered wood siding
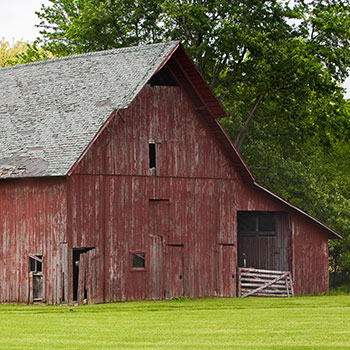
pixel 32 221
pixel 183 217
pixel 185 146
pixel 310 257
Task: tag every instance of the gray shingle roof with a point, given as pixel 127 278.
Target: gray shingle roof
pixel 50 111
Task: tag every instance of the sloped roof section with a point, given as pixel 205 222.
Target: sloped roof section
pixel 51 110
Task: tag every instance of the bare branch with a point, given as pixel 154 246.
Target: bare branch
pixel 241 135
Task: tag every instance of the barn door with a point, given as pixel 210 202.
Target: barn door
pixel 263 240
pixel 156 267
pixel 91 273
pixel 35 277
pixel 159 219
pixel 84 275
pixel 174 272
pixel 225 270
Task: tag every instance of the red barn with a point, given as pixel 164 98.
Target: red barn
pixel 118 183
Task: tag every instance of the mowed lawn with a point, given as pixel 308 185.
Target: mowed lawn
pixel 296 323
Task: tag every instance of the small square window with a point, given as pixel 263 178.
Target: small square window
pixel 138 260
pixel 35 263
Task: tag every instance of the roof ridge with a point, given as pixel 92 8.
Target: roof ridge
pixel 87 54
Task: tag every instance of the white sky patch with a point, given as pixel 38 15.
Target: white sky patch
pixel 18 19
pixel 347 87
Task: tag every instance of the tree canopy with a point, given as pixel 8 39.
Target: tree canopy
pixel 9 52
pixel 21 52
pixel 277 66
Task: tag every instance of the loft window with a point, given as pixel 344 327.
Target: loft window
pixel 256 223
pixel 162 78
pixel 152 156
pixel 35 263
pixel 138 260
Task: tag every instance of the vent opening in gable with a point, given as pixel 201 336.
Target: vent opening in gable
pixel 162 78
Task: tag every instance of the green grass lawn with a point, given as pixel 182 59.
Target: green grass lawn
pixel 296 323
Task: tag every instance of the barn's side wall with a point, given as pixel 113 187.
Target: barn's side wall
pixel 308 251
pixel 32 221
pixel 310 257
pixel 188 207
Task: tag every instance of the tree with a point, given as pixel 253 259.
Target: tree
pixel 78 26
pixel 32 53
pixel 8 52
pixel 21 52
pixel 276 67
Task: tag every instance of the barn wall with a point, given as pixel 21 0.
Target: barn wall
pixel 32 221
pixel 186 220
pixel 310 258
pixel 183 217
pixel 185 146
pixel 308 246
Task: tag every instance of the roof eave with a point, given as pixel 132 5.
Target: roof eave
pixel 205 93
pixel 331 233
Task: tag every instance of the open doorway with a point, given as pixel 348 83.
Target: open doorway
pixel 264 239
pixel 80 273
pixel 36 274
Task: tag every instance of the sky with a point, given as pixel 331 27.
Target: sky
pixel 18 20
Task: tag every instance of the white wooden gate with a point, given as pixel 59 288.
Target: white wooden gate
pixel 264 283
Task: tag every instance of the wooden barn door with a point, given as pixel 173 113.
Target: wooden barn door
pixel 174 272
pixel 35 278
pixel 225 270
pixel 159 221
pixel 264 240
pixel 85 288
pixel 156 267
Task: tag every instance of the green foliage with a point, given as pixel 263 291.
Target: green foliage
pixel 277 68
pixel 9 52
pixel 32 53
pixel 21 52
pixel 256 323
pixel 76 26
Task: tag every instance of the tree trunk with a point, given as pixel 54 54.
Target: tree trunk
pixel 241 135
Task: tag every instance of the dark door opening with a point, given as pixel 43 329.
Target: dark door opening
pixel 36 270
pixel 263 240
pixel 79 273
